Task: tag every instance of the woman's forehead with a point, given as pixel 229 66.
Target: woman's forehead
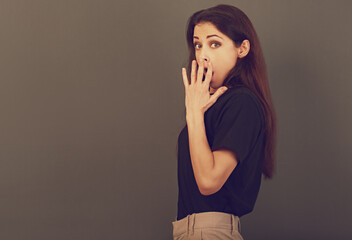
pixel 207 30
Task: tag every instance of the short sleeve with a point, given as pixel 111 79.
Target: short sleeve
pixel 238 125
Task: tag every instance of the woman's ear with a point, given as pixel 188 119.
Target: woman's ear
pixel 243 50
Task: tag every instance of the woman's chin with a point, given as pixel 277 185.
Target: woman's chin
pixel 213 84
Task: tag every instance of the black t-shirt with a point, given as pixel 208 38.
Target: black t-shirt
pixel 234 122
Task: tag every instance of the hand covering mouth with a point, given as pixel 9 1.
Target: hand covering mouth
pixel 205 72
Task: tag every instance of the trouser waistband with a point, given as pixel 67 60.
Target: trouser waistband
pixel 205 220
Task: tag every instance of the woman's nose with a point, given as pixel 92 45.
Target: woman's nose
pixel 205 61
pixel 204 58
pixel 203 55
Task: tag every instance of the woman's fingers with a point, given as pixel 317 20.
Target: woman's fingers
pixel 193 72
pixel 208 75
pixel 197 76
pixel 215 96
pixel 200 72
pixel 185 78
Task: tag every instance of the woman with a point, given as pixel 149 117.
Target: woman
pixel 229 139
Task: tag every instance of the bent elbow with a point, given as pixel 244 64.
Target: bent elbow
pixel 206 192
pixel 208 188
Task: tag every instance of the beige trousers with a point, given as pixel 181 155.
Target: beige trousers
pixel 208 225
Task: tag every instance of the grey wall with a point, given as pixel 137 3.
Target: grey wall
pixel 91 101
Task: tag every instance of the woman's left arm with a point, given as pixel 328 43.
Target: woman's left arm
pixel 211 169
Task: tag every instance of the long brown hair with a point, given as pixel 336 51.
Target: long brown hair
pixel 250 71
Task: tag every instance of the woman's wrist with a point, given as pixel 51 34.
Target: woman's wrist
pixel 194 118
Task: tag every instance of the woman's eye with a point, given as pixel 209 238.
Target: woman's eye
pixel 197 46
pixel 215 45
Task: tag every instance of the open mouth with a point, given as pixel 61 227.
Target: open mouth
pixel 205 72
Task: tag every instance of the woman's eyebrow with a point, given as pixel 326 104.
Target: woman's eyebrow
pixel 213 35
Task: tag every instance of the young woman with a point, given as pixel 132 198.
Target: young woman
pixel 229 139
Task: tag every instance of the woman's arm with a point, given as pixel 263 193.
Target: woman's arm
pixel 211 169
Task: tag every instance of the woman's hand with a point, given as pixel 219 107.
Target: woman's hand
pixel 198 99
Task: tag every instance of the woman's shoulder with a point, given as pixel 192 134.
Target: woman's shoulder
pixel 240 99
pixel 239 95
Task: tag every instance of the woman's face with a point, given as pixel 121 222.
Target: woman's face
pixel 212 45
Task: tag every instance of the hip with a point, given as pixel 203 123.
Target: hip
pixel 207 225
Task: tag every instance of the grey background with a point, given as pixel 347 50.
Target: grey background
pixel 92 101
